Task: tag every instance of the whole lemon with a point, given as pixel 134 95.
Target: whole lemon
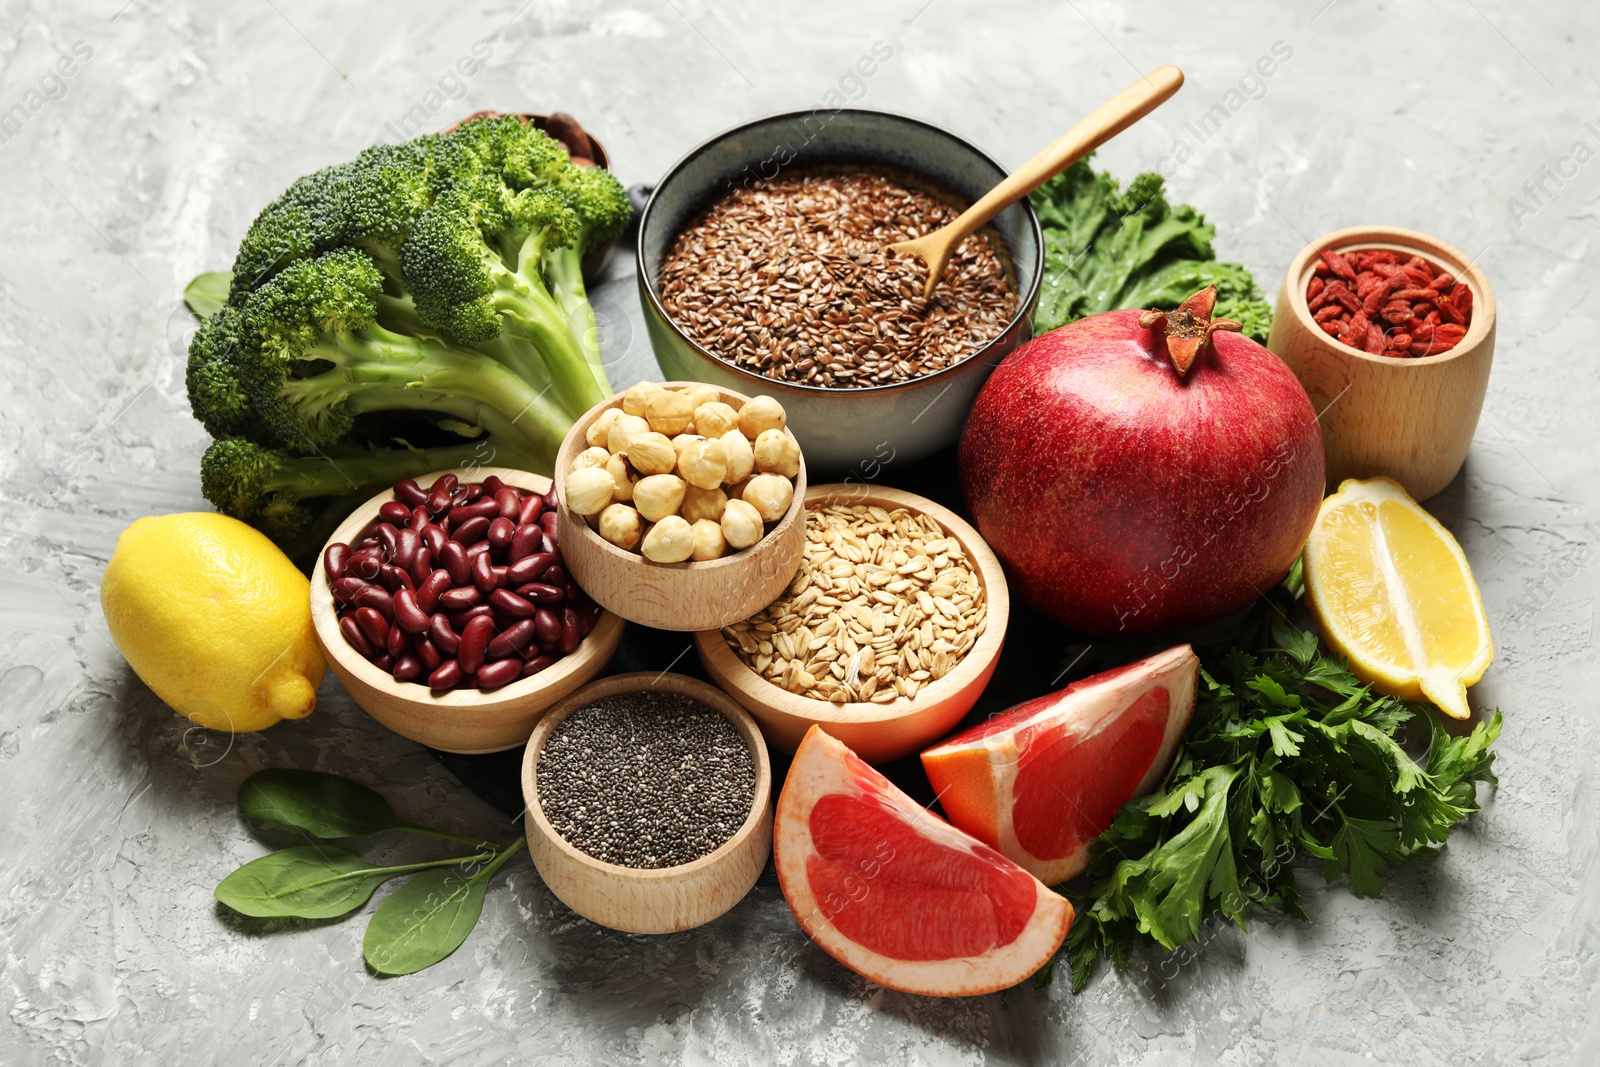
pixel 213 617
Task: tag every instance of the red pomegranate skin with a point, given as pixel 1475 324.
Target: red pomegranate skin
pixel 1126 500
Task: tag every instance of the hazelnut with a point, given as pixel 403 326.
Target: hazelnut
pixel 683 440
pixel 589 490
pixel 777 453
pixel 708 540
pixel 715 419
pixel 770 494
pixel 652 453
pixel 741 524
pixel 669 541
pixel 620 525
pixel 760 413
pixel 703 394
pixel 590 457
pixel 617 467
pixel 658 496
pixel 741 460
pixel 669 413
pixel 703 463
pixel 623 429
pixel 701 503
pixel 598 430
pixel 637 398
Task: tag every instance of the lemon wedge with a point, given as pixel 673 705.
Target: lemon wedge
pixel 1392 591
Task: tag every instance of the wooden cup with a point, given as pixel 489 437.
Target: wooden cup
pixel 678 596
pixel 663 900
pixel 876 732
pixel 1408 419
pixel 468 721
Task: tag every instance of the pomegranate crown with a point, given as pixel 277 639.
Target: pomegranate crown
pixel 1189 329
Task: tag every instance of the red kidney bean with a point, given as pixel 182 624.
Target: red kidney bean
pixel 532 507
pixel 547 523
pixel 499 573
pixel 571 634
pixel 444 638
pixel 540 592
pixel 552 540
pixel 421 565
pixel 494 675
pixel 555 575
pixel 474 643
pixel 460 598
pixel 354 637
pixel 427 652
pixel 470 531
pixel 483 574
pixel 408 613
pixel 409 493
pixel 365 563
pixel 572 592
pixel 459 619
pixel 511 640
pixel 394 513
pixel 501 531
pixel 587 617
pixel 374 597
pixel 434 537
pixel 537 664
pixel 345 590
pixel 508 499
pixel 551 499
pixel 547 625
pixel 528 568
pixel 460 514
pixel 384 662
pixel 432 587
pixel 525 541
pixel 368 542
pixel 474 551
pixel 439 495
pixel 447 676
pixel 453 558
pixel 467 494
pixel 373 625
pixel 405 548
pixel 398 641
pixel 549 648
pixel 419 518
pixel 407 668
pixel 334 558
pixel 492 485
pixel 504 600
pixel 387 536
pixel 394 578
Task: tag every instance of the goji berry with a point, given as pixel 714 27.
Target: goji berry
pixel 1354 295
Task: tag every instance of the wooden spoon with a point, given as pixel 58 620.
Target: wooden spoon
pixel 1102 124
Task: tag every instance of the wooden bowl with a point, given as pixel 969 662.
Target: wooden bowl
pixel 663 900
pixel 1408 419
pixel 877 732
pixel 461 720
pixel 678 596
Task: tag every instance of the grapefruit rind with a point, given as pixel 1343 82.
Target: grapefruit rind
pixel 823 766
pixel 974 773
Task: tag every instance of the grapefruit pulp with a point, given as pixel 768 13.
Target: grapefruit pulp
pixel 897 894
pixel 1041 781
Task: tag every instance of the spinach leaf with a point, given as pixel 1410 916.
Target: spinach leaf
pixel 323 805
pixel 308 882
pixel 429 917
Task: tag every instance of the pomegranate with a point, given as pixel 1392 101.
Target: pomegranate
pixel 1140 472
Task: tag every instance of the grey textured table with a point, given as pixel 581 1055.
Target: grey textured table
pixel 180 121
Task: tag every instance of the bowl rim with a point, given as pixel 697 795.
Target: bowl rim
pixel 983 655
pixel 1399 239
pixel 1027 296
pixel 575 443
pixel 648 681
pixel 512 698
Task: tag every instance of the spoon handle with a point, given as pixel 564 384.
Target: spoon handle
pixel 1101 124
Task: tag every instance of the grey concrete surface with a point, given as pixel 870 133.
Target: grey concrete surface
pixel 181 120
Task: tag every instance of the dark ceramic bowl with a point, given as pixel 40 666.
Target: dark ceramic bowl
pixel 841 431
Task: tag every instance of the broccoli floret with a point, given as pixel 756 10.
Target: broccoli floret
pixel 429 291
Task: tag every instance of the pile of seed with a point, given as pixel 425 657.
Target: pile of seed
pixel 789 279
pixel 883 604
pixel 646 779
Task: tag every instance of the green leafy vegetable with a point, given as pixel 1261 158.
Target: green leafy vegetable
pixel 1287 754
pixel 428 918
pixel 1106 248
pixel 420 924
pixel 206 294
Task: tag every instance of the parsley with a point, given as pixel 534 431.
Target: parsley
pixel 1287 754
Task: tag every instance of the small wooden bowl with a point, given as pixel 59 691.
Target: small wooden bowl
pixel 678 596
pixel 663 900
pixel 468 721
pixel 877 732
pixel 1408 419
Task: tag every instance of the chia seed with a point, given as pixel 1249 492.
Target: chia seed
pixel 646 780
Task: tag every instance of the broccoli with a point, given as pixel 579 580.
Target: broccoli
pixel 421 306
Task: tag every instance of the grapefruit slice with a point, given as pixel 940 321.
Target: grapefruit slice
pixel 1041 781
pixel 897 894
